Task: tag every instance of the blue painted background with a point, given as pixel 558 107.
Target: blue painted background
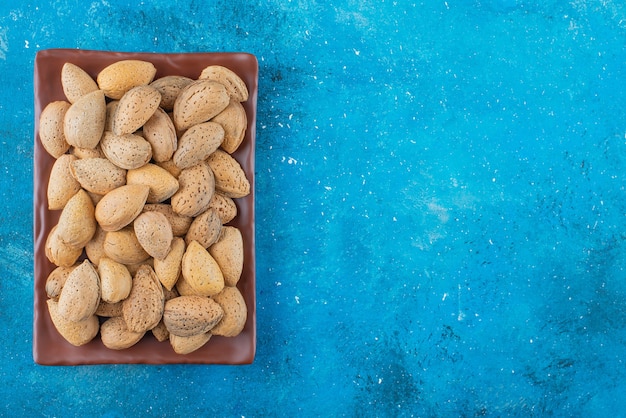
pixel 440 208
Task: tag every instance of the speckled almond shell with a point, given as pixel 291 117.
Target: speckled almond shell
pixel 77 333
pixel 186 345
pixel 126 151
pixel 168 268
pixel 201 271
pixel 80 295
pixel 143 308
pixel 154 233
pixel 235 312
pixel 120 76
pixel 56 279
pixel 109 310
pixel 98 175
pixel 198 102
pixel 83 123
pixel 61 184
pixel 51 129
pixel 225 207
pixel 228 253
pixel 196 188
pixel 161 183
pixel 235 86
pixel 191 315
pixel 197 143
pixel 135 108
pixel 170 87
pixel 115 280
pixel 76 82
pixel 180 223
pixel 58 252
pixel 230 179
pixel 95 247
pixel 121 206
pixel 77 223
pixel 160 132
pixel 123 247
pixel 116 335
pixel 234 121
pixel 205 228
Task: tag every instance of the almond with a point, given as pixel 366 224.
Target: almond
pixel 80 295
pixel 76 82
pixel 201 271
pixel 95 247
pixel 51 132
pixel 84 121
pixel 154 233
pixel 186 345
pixel 109 310
pixel 56 279
pixel 126 151
pixel 235 86
pixel 228 253
pixel 116 335
pixel 168 268
pixel 180 223
pixel 191 315
pixel 224 206
pixel 123 247
pixel 61 184
pixel 234 121
pixel 85 153
pixel 197 143
pixel 169 87
pixel 196 187
pixel 230 179
pixel 58 252
pixel 77 223
pixel 160 132
pixel 143 308
pixel 115 280
pixel 98 175
pixel 134 109
pixel 121 76
pixel 205 228
pixel 235 312
pixel 121 206
pixel 198 102
pixel 161 183
pixel 76 333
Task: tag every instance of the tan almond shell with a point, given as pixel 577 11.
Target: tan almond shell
pixel 160 332
pixel 51 132
pixel 77 223
pixel 85 153
pixel 98 175
pixel 58 252
pixel 228 253
pixel 123 247
pixel 161 183
pixel 169 87
pixel 197 143
pixel 224 206
pixel 80 295
pixel 184 288
pixel 56 279
pixel 170 167
pixel 160 132
pixel 135 108
pixel 61 184
pixel 186 345
pixel 230 179
pixel 198 102
pixel 205 228
pixel 84 121
pixel 168 268
pixel 201 271
pixel 76 82
pixel 121 206
pixel 77 333
pixel 143 308
pixel 95 247
pixel 235 312
pixel 196 187
pixel 235 86
pixel 109 310
pixel 116 335
pixel 154 233
pixel 121 76
pixel 115 280
pixel 191 315
pixel 235 122
pixel 126 151
pixel 180 223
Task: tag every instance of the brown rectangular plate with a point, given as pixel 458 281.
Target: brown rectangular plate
pixel 49 348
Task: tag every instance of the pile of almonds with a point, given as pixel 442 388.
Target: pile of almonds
pixel 145 182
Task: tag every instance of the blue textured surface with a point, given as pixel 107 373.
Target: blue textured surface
pixel 440 208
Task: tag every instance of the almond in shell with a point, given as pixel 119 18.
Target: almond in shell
pixel 121 76
pixel 168 268
pixel 126 151
pixel 115 280
pixel 143 308
pixel 191 315
pixel 205 228
pixel 154 233
pixel 180 223
pixel 198 102
pixel 116 335
pixel 58 252
pixel 80 295
pixel 224 206
pixel 77 333
pixel 201 270
pixel 186 345
pixel 51 132
pixel 196 187
pixel 169 87
pixel 235 312
pixel 56 279
pixel 161 183
pixel 234 121
pixel 121 206
pixel 197 143
pixel 61 184
pixel 160 132
pixel 123 247
pixel 230 179
pixel 235 86
pixel 77 223
pixel 83 123
pixel 76 82
pixel 228 253
pixel 98 175
pixel 135 108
